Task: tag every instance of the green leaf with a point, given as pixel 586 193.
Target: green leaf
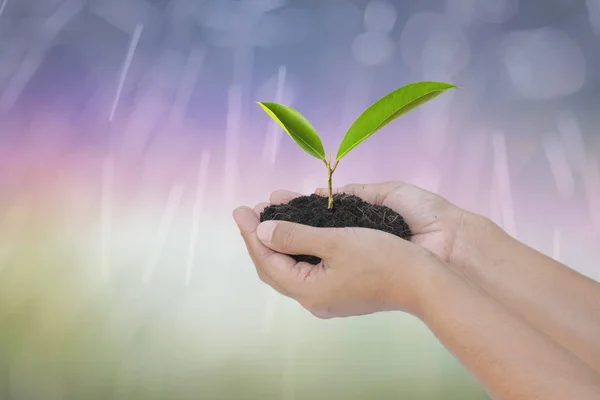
pixel 387 109
pixel 297 127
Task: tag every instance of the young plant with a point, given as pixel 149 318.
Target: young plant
pixel 381 113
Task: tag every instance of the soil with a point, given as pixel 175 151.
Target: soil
pixel 347 211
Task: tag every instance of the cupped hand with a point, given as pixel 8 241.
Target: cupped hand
pixel 436 223
pixel 362 270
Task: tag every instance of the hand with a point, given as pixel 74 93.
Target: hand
pixel 435 223
pixel 362 270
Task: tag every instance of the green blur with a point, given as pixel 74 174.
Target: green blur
pixel 66 335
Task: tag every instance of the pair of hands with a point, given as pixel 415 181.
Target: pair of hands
pixel 362 270
pixel 523 324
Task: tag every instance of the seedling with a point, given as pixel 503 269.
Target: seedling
pixel 381 113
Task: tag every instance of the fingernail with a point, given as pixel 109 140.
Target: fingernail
pixel 265 230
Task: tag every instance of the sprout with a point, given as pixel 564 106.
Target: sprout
pixel 381 113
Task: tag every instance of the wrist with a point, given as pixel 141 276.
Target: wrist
pixel 479 242
pixel 412 291
pixel 429 285
pixel 434 291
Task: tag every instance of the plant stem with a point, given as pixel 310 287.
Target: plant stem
pixel 330 172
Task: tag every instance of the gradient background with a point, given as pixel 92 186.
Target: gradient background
pixel 128 133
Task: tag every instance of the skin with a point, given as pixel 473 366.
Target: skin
pixel 450 266
pixel 555 299
pixel 509 357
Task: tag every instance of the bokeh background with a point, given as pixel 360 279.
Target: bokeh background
pixel 129 132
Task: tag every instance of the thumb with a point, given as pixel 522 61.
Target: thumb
pixel 297 239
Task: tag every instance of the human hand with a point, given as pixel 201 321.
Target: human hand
pixel 362 271
pixel 436 224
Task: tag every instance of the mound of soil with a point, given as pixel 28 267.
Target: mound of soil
pixel 347 211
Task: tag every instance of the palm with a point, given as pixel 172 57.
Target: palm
pixel 433 220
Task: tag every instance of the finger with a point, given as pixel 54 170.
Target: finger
pixel 283 196
pixel 247 225
pixel 373 193
pixel 260 207
pixel 274 268
pixel 290 238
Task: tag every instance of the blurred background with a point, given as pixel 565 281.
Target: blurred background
pixel 129 132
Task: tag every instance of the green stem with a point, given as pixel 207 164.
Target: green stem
pixel 330 172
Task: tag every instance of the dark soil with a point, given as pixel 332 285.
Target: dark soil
pixel 347 211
